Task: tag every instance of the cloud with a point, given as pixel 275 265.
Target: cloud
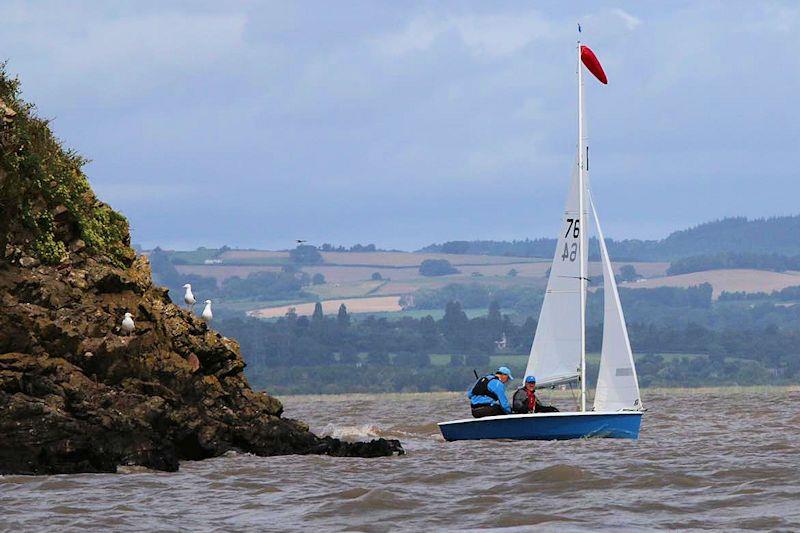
pixel 400 123
pixel 631 22
pixel 113 58
pixel 483 35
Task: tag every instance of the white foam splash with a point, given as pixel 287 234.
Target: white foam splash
pixel 362 431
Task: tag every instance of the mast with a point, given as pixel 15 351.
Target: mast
pixel 581 210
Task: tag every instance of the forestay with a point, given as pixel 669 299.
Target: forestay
pixel 617 385
pixel 556 352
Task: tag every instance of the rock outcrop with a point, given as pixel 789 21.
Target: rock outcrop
pixel 76 393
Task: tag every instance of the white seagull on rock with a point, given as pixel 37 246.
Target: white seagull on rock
pixel 127 324
pixel 188 297
pixel 207 316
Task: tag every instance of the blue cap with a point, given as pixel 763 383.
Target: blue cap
pixel 505 370
pixel 530 379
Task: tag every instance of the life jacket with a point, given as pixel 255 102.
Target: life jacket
pixel 531 401
pixel 524 401
pixel 481 387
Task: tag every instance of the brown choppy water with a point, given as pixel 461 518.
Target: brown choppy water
pixel 705 459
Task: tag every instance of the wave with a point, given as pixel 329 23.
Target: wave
pixel 416 430
pixel 355 432
pixel 554 473
pixel 360 500
pixel 702 468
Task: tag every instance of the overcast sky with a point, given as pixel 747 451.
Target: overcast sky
pixel 405 123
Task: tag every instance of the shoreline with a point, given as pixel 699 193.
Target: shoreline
pixel 727 389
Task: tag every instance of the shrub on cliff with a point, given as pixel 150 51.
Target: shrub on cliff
pixel 48 207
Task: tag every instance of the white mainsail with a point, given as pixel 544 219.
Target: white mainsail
pixel 617 384
pixel 556 352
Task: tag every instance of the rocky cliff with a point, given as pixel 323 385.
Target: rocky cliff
pixel 76 393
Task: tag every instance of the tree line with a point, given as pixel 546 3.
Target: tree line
pixel 787 294
pixel 735 345
pixel 700 263
pixel 324 340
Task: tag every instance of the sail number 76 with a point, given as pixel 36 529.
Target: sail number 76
pixel 574 227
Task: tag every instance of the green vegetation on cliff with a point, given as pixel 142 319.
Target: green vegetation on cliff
pixel 78 394
pixel 48 203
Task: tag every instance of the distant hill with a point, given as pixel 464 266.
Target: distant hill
pixel 774 235
pixel 728 260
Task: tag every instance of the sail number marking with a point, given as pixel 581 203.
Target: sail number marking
pixel 574 228
pixel 570 252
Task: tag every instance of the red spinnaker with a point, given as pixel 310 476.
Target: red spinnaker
pixel 593 64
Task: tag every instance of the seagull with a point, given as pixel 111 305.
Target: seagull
pixel 207 316
pixel 188 297
pixel 127 324
pixel 300 241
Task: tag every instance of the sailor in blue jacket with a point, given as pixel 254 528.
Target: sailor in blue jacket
pixel 487 396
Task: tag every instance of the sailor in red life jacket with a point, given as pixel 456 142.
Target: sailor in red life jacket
pixel 524 400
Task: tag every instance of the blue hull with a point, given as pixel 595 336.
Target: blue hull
pixel 545 426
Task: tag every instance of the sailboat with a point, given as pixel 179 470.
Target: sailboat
pixel 558 353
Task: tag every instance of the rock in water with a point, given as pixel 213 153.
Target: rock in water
pixel 75 396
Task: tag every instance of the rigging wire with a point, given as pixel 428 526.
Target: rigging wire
pixel 574 399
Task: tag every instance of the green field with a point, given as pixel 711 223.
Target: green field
pixel 349 274
pixel 194 257
pixel 332 291
pixel 437 314
pixel 244 306
pixel 258 261
pixel 515 361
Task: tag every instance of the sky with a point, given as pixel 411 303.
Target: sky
pixel 253 124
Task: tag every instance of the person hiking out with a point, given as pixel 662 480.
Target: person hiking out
pixel 524 400
pixel 487 396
